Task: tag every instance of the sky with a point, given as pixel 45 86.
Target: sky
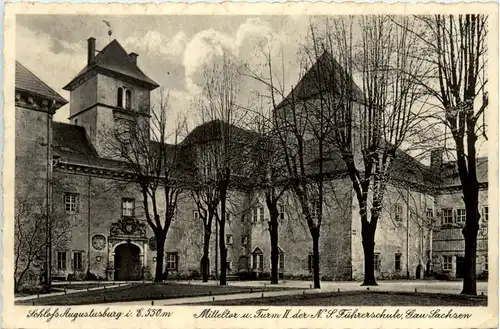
pixel 173 50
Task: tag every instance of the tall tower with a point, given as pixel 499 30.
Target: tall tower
pixel 109 88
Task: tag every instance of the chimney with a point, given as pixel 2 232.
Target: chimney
pixel 91 50
pixel 133 57
pixel 436 160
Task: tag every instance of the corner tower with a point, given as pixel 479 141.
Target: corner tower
pixel 110 87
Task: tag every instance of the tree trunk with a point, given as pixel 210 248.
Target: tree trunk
pixel 369 253
pixel 273 232
pixel 315 238
pixel 222 244
pixel 470 236
pixel 205 260
pixel 160 256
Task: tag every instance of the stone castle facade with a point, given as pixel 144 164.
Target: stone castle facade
pixel 64 165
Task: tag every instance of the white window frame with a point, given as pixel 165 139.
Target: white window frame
pixel 429 213
pixel 125 210
pixel 444 214
pixel 460 215
pixel 447 263
pixel 171 261
pixel 71 203
pixel 281 211
pixel 79 262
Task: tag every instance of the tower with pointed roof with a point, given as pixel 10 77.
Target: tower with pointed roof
pixel 110 87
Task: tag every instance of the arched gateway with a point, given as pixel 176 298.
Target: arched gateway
pixel 127 262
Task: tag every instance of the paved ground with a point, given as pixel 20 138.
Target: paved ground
pixel 298 288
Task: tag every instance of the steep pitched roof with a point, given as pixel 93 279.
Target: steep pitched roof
pixel 212 130
pixel 325 75
pixel 27 81
pixel 113 58
pixel 71 144
pixel 450 176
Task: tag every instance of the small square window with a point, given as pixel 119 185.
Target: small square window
pixel 244 240
pixel 429 214
pixel 196 215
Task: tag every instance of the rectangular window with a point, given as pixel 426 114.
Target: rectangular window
pixel 196 215
pixel 315 209
pixel 61 260
pixel 71 203
pixel 447 215
pixel 172 260
pixel 310 262
pixel 429 214
pixel 77 261
pixel 128 207
pixel 228 218
pixel 258 260
pixel 229 239
pixel 281 261
pixel 447 263
pixel 461 215
pixel 485 266
pixel 397 262
pixel 485 214
pixel 281 210
pixel 261 209
pixel 244 240
pixel 398 212
pixel 255 215
pixel 376 261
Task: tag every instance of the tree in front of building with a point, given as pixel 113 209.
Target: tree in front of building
pixel 142 146
pixel 31 239
pixel 368 126
pixel 456 47
pixel 221 113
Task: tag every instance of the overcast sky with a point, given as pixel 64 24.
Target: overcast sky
pixel 172 49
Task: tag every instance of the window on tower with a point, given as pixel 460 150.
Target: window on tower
pixel 119 97
pixel 128 99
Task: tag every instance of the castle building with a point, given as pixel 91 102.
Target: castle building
pixel 68 167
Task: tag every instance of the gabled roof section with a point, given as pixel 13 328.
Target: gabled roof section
pixel 27 81
pixel 325 75
pixel 213 130
pixel 113 58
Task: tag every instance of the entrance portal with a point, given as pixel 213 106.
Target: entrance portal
pixel 460 267
pixel 127 262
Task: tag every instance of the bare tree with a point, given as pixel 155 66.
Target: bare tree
pixel 30 235
pixel 270 176
pixel 142 145
pixel 369 126
pixel 219 108
pixel 456 49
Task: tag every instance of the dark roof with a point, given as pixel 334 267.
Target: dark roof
pixel 450 176
pixel 115 59
pixel 71 144
pixel 332 78
pixel 27 81
pixel 213 130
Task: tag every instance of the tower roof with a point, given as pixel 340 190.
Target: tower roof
pixel 114 59
pixel 326 75
pixel 29 82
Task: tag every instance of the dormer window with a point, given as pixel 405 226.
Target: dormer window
pixel 119 97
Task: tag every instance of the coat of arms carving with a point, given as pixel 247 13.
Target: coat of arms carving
pixel 128 226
